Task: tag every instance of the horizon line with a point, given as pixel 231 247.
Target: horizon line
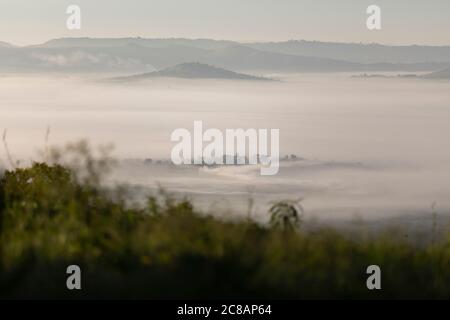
pixel 226 40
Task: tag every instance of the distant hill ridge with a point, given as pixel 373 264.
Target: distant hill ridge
pixel 5 45
pixel 354 52
pixel 443 74
pixel 139 55
pixel 151 42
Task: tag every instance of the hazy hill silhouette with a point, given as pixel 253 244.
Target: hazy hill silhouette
pixel 352 52
pixel 5 45
pixel 443 74
pixel 192 70
pixel 150 43
pixel 246 58
pixel 134 55
pixel 359 52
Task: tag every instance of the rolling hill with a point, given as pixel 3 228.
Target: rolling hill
pixel 193 70
pixel 5 45
pixel 134 55
pixel 358 52
pixel 443 74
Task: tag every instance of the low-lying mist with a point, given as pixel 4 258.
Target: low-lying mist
pixel 371 147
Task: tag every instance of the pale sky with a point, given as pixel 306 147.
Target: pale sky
pixel 24 22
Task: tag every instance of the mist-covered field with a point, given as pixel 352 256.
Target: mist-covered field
pixel 365 147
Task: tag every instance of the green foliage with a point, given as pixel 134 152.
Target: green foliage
pixel 50 218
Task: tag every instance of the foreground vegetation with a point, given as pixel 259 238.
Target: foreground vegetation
pixel 51 217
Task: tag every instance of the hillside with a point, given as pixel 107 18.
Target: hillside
pixel 5 45
pixel 352 52
pixel 193 70
pixel 359 52
pixel 443 74
pixel 149 43
pixel 139 55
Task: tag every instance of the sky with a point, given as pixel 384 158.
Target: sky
pixel 25 22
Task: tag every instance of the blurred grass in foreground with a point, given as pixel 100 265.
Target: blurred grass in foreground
pixel 52 216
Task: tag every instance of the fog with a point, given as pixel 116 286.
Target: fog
pixel 373 147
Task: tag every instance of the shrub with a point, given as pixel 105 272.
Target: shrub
pixel 50 219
